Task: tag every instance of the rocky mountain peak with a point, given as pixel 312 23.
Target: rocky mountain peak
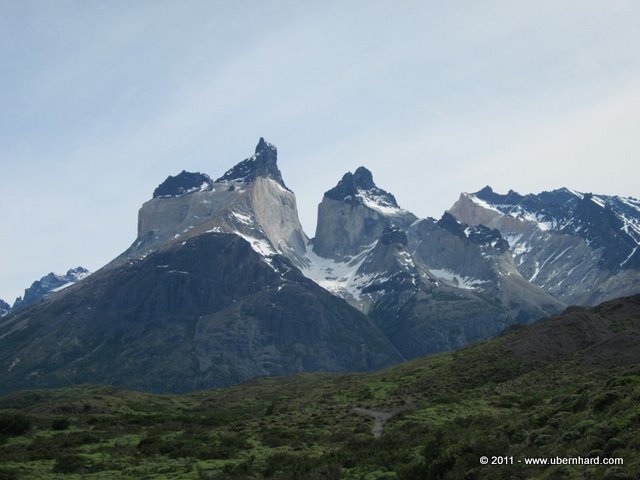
pixel 52 282
pixel 451 224
pixel 354 214
pixel 363 178
pixel 4 308
pixel 608 223
pixel 249 200
pixel 264 163
pixel 489 195
pixel 266 148
pixel 183 184
pixel 358 187
pixel 569 243
pixel 480 235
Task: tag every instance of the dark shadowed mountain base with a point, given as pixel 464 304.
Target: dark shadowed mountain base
pixel 206 313
pixel 568 387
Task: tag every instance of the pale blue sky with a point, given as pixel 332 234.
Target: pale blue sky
pixel 100 101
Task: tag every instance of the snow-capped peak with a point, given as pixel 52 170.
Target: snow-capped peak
pixel 610 223
pixel 50 283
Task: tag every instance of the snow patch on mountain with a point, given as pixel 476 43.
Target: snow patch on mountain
pixel 62 287
pixel 340 277
pixel 482 203
pixel 533 217
pixel 457 280
pixel 556 211
pixel 633 252
pixel 580 247
pixel 261 246
pixel 243 218
pixel 379 203
pixel 631 202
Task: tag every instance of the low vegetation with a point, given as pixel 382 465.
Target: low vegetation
pixel 449 410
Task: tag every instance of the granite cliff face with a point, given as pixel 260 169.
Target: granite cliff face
pixel 250 200
pixel 477 258
pixel 417 312
pixel 430 285
pixel 581 248
pixel 353 215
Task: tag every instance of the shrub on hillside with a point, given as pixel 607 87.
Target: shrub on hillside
pixel 12 425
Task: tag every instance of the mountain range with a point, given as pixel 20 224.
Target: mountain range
pixel 222 284
pixel 50 283
pixel 580 247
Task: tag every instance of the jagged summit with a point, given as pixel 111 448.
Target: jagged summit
pixel 477 234
pixel 212 290
pixel 250 200
pixel 580 247
pixel 264 146
pixel 451 224
pixel 489 195
pixel 363 178
pixel 183 184
pixel 359 188
pixel 353 215
pixel 264 163
pixel 611 223
pixel 52 282
pixel 4 308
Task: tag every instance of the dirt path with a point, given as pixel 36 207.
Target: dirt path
pixel 380 416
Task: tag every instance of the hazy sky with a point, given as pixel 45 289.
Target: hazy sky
pixel 101 101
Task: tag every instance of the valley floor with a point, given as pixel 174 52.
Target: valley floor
pixel 440 416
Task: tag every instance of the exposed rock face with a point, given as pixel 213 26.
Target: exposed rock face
pixel 208 295
pixel 5 308
pixel 220 287
pixel 249 200
pixel 581 248
pixel 431 286
pixel 436 318
pixel 183 184
pixel 418 313
pixel 387 267
pixel 443 285
pixel 358 188
pixel 478 259
pixel 206 313
pixel 264 163
pixel 50 283
pixel 353 215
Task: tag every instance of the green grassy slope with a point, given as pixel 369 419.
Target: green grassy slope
pixel 568 386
